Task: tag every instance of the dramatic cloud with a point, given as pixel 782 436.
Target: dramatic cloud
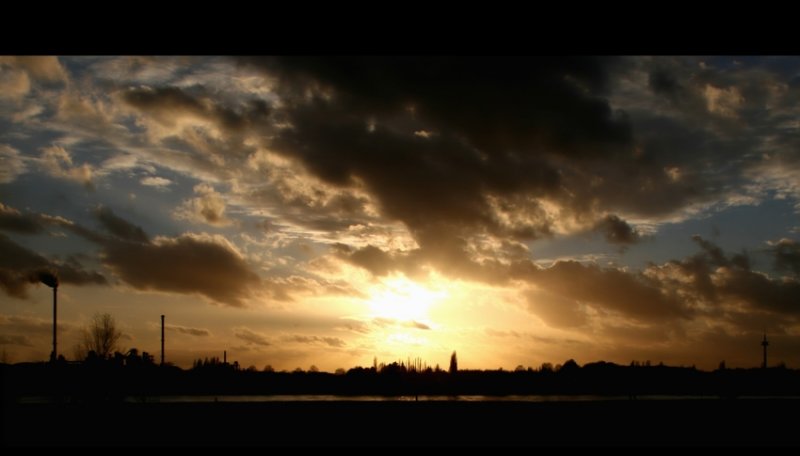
pixel 20 268
pixel 190 263
pixel 710 283
pixel 170 104
pixel 609 289
pixel 450 175
pixel 553 199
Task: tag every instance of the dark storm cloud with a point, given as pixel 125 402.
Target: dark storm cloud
pixel 205 265
pixel 501 104
pixel 710 283
pixel 457 147
pixel 718 280
pixel 631 294
pixel 761 292
pixel 119 227
pixel 372 259
pixel 166 103
pixel 432 138
pixel 734 280
pixel 21 267
pixel 618 231
pixel 185 264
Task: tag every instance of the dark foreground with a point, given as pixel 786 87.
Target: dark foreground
pixel 643 422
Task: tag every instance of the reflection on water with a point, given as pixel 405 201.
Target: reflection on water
pixel 472 398
pixel 333 398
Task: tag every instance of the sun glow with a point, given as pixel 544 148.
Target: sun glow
pixel 403 300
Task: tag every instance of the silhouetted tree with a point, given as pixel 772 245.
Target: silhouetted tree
pixel 569 365
pixel 453 363
pixel 101 337
pixel 268 368
pixel 313 368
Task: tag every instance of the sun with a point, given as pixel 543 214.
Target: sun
pixel 403 300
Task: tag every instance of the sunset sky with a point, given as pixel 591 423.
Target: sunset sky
pixel 326 211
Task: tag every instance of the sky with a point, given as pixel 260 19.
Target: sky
pixel 299 211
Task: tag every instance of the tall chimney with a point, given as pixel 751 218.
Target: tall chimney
pixel 55 306
pixel 162 340
pixel 225 356
pixel 50 279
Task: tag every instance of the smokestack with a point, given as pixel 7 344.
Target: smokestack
pixel 162 340
pixel 49 279
pixel 55 314
pixel 225 356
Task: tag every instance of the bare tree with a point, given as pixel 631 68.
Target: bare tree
pixel 101 337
